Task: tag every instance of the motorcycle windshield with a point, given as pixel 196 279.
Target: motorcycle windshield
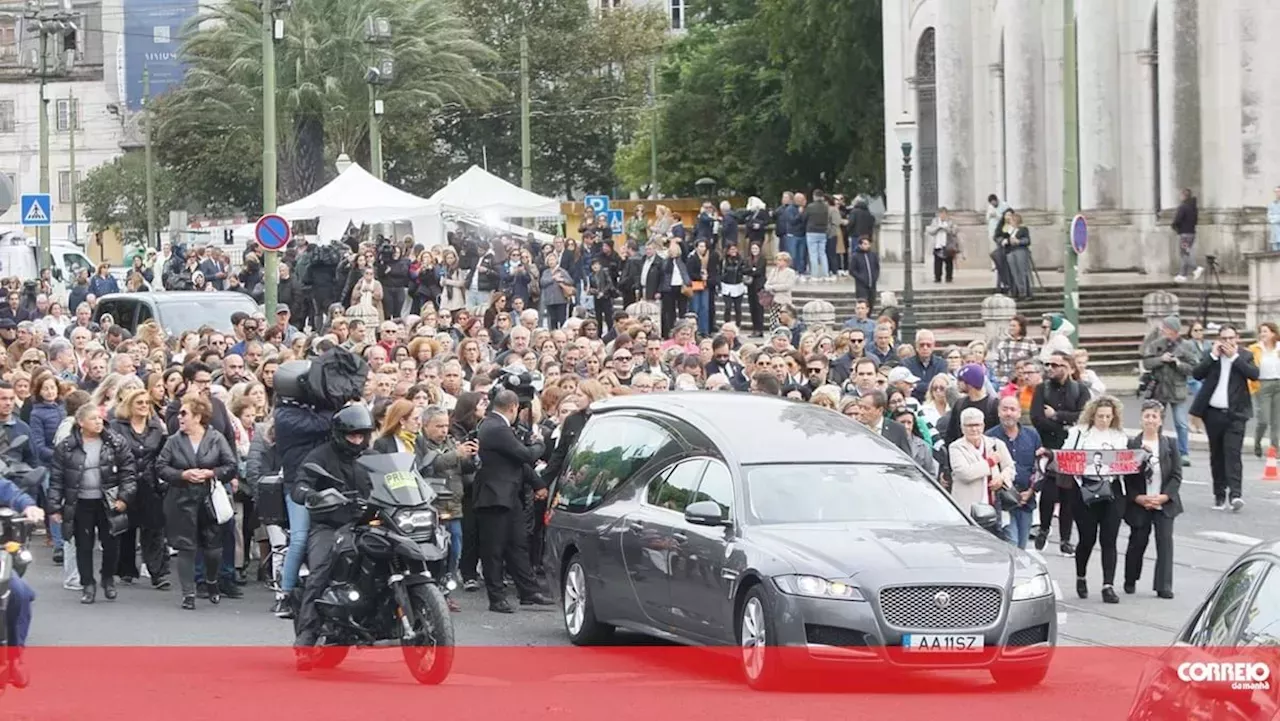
pixel 395 481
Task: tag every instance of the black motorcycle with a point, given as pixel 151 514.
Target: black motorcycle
pixel 389 563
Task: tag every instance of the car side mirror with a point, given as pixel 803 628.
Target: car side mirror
pixel 706 513
pixel 986 516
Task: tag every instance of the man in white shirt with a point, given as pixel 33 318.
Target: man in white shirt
pixel 1226 406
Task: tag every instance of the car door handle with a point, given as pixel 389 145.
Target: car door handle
pixel 680 536
pixel 636 525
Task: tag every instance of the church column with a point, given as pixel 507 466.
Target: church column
pixel 1098 59
pixel 995 125
pixel 1023 108
pixel 954 88
pixel 1179 30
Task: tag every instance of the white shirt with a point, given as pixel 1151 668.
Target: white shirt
pixel 1269 364
pixel 1153 480
pixel 676 278
pixel 1219 398
pixel 644 273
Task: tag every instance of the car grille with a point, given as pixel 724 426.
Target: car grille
pixel 940 607
pixel 833 635
pixel 1030 636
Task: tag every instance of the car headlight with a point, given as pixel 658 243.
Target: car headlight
pixel 1033 587
pixel 412 520
pixel 817 587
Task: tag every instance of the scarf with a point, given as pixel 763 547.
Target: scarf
pixel 409 440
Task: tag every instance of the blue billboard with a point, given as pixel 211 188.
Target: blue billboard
pixel 152 38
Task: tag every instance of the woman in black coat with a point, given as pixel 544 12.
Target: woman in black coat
pixel 754 272
pixel 1152 502
pixel 394 276
pixel 675 282
pixel 189 463
pixel 90 485
pixel 136 422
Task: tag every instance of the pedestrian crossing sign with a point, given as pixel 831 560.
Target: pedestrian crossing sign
pixel 36 209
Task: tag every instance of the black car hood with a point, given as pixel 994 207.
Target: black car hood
pixel 880 553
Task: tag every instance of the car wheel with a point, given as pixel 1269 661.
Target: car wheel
pixel 761 661
pixel 1019 677
pixel 579 613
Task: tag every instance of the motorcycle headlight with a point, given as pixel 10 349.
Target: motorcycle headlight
pixel 413 520
pixel 1034 587
pixel 816 587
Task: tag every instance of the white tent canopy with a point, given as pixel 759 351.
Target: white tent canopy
pixel 357 197
pixel 480 193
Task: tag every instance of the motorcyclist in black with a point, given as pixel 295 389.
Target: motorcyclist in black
pixel 351 430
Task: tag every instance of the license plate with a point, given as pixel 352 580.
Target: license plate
pixel 943 643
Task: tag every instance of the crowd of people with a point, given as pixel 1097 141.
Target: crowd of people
pixel 136 429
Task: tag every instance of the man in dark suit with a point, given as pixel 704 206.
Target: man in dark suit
pixel 871 408
pixel 499 510
pixel 1225 405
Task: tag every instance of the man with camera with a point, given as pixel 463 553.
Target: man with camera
pixel 505 452
pixel 1226 406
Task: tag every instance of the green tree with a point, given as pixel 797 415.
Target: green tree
pixel 220 165
pixel 768 95
pixel 588 83
pixel 114 195
pixel 321 64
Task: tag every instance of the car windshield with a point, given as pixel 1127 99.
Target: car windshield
pixel 180 315
pixel 846 493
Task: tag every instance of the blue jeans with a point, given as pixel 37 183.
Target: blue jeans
pixel 817 245
pixel 700 306
pixel 1182 424
pixel 299 526
pixel 799 253
pixel 454 526
pixel 1019 528
pixel 21 598
pixel 55 529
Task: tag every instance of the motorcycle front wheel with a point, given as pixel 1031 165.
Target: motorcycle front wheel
pixel 431 658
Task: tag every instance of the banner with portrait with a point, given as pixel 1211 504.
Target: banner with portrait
pixel 1098 463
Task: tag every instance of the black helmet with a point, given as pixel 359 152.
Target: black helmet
pixel 355 418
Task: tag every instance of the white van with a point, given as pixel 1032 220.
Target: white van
pixel 18 257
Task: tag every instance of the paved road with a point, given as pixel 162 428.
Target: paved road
pixel 1206 542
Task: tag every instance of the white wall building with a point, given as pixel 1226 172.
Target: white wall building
pixel 96 85
pixel 1172 94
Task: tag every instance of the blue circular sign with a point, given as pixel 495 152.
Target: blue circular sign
pixel 272 232
pixel 1079 234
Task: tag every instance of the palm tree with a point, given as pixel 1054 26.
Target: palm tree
pixel 322 97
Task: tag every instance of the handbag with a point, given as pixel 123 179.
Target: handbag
pixel 1005 498
pixel 117 521
pixel 1096 490
pixel 766 298
pixel 699 285
pixel 220 500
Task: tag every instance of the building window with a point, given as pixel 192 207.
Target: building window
pixel 65 186
pixel 8 39
pixel 66 109
pixel 8 121
pixel 677 14
pixel 13 183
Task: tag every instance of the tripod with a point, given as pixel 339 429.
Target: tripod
pixel 1212 275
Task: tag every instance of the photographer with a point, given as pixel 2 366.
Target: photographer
pixel 503 541
pixel 454 463
pixel 1170 358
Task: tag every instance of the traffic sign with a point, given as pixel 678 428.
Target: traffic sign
pixel 615 221
pixel 597 203
pixel 272 232
pixel 36 210
pixel 1079 234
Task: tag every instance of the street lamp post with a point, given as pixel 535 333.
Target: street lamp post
pixel 905 130
pixel 382 72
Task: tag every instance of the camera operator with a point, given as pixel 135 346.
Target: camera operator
pixel 499 510
pixel 393 273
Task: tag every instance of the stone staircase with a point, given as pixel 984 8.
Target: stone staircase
pixel 1112 325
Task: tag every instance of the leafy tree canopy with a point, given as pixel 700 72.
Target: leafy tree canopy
pixel 114 195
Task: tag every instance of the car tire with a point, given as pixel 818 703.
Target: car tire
pixel 1019 676
pixel 579 611
pixel 762 665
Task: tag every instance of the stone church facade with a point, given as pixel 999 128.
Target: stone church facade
pixel 1172 94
